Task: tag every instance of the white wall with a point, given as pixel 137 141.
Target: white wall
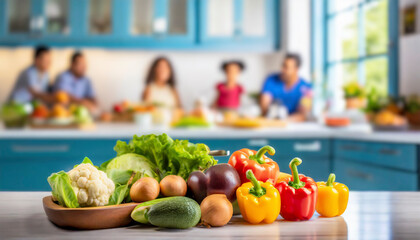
pixel 410 56
pixel 297 32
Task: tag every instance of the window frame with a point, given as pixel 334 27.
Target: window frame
pixel 321 64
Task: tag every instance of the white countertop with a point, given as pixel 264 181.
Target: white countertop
pixel 369 215
pixel 301 130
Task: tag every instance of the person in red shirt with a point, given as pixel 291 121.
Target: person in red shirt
pixel 229 92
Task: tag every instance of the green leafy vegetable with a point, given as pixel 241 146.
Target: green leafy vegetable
pixel 85 160
pixel 62 190
pixel 168 156
pixel 125 170
pixel 119 195
pixel 120 168
pixel 122 191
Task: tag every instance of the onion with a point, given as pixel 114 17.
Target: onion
pixel 173 185
pixel 216 210
pixel 144 189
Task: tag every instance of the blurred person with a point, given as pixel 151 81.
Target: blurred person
pixel 160 85
pixel 32 83
pixel 76 84
pixel 229 92
pixel 288 89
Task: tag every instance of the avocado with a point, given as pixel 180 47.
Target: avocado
pixel 177 212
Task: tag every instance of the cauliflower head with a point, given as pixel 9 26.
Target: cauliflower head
pixel 91 186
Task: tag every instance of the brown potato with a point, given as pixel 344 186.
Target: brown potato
pixel 173 185
pixel 144 189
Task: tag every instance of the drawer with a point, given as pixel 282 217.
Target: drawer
pixel 99 150
pixel 296 147
pixel 394 155
pixel 358 176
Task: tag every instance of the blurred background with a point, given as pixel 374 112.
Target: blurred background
pixel 334 82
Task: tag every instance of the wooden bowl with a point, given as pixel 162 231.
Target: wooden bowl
pixel 88 217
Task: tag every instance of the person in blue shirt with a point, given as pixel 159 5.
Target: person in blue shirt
pixel 32 83
pixel 286 88
pixel 75 83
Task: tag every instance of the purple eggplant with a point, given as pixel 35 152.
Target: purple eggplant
pixel 218 179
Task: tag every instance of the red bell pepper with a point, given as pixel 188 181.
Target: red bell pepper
pixel 264 168
pixel 298 195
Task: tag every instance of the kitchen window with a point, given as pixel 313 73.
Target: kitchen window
pixel 355 40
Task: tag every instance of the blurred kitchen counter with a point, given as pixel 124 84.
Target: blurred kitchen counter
pixel 298 130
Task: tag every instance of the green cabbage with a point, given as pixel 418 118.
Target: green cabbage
pixel 124 167
pixel 120 168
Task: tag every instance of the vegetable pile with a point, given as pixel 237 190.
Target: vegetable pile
pixel 178 185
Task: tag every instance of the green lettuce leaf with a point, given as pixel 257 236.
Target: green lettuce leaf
pixel 185 157
pixel 120 193
pixel 86 160
pixel 62 190
pixel 168 156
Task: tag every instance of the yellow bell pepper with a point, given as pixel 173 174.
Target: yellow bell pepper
pixel 332 197
pixel 258 201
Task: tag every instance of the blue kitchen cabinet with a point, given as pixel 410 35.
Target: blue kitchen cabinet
pixel 20 20
pixel 360 176
pixel 239 24
pixel 105 23
pixel 140 23
pixel 315 153
pixel 25 164
pixel 392 155
pixel 364 165
pixel 148 24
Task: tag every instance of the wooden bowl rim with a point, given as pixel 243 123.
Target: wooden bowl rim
pixel 48 202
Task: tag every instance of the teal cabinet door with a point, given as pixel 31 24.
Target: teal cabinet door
pixel 359 176
pixel 100 23
pixel 20 20
pixel 314 167
pixel 393 155
pixel 160 23
pixel 32 22
pixel 315 153
pixel 30 174
pixel 26 164
pixel 239 24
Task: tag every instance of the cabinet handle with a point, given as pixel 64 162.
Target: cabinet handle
pixel 40 148
pixel 387 151
pixel 359 174
pixel 257 142
pixel 307 147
